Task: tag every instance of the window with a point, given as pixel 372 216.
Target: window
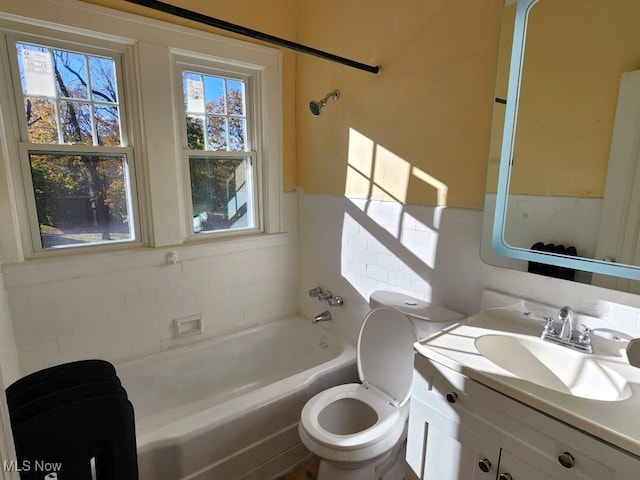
pixel 119 131
pixel 219 133
pixel 77 165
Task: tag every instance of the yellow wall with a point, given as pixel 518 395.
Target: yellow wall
pixel 576 52
pixel 419 131
pixel 275 17
pixel 499 109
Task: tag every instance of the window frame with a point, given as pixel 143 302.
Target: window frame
pixel 149 91
pixel 187 61
pixel 119 53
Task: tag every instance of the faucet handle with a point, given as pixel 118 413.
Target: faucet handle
pixel 315 292
pixel 325 296
pixel 550 325
pixel 585 335
pixel 336 301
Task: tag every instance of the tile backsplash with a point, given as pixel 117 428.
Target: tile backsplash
pixel 121 305
pixel 354 247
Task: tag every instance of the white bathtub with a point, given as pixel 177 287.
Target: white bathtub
pixel 229 407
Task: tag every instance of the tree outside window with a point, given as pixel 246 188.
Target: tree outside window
pixel 216 123
pixel 81 190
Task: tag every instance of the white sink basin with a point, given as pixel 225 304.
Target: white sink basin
pixel 555 367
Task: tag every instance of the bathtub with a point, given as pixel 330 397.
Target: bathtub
pixel 228 407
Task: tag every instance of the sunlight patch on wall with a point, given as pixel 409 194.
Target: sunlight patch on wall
pixel 376 172
pixel 360 165
pixel 439 186
pixel 373 261
pixel 390 176
pixel 420 238
pixel 386 242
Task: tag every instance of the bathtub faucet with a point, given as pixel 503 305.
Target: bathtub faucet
pixel 322 317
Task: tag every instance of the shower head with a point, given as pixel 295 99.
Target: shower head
pixel 315 107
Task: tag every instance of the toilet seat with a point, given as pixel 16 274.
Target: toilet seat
pixel 359 430
pixel 388 417
pixel 385 367
pixel 384 353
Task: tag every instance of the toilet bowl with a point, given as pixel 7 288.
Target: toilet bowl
pixel 359 429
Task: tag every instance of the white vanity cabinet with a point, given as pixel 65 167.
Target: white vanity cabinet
pixel 461 430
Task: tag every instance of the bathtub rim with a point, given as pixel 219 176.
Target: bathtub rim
pixel 231 409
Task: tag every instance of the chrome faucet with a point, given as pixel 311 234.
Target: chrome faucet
pixel 566 336
pixel 326 296
pixel 322 317
pixel 565 316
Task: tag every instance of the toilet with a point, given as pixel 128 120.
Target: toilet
pixel 359 430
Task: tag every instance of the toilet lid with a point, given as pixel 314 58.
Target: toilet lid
pixel 385 352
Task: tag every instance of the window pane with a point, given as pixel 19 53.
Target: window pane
pixel 214 94
pixel 193 91
pixel 222 100
pixel 235 97
pixel 195 133
pixel 37 75
pixel 220 194
pixel 71 74
pixel 76 123
pixel 216 133
pixel 81 199
pixel 107 120
pixel 81 84
pixel 41 120
pixel 236 134
pixel 103 79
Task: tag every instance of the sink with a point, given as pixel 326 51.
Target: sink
pixel 555 367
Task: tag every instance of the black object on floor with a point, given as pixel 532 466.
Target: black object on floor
pixel 64 416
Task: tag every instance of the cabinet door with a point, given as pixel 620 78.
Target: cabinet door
pixel 539 466
pixel 439 448
pixel 512 468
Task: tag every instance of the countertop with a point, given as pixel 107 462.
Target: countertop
pixel 616 422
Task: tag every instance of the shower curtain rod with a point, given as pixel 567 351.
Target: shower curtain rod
pixel 232 27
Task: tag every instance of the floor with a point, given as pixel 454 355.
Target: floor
pixel 307 470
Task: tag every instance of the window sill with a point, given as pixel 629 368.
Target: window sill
pixel 37 271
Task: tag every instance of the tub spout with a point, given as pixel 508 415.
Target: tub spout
pixel 322 317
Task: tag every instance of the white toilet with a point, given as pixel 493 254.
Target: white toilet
pixel 359 429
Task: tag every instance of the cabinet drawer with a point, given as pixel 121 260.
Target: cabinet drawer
pixel 524 433
pixel 442 388
pixel 540 467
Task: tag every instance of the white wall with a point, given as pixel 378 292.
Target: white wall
pixel 353 247
pixel 121 305
pixel 9 370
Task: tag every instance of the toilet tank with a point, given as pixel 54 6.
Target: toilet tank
pixel 427 318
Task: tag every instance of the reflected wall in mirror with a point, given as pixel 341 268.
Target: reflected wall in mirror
pixel 564 150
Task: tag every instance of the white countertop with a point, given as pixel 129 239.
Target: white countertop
pixel 616 422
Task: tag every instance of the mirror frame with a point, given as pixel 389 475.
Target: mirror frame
pixel 498 243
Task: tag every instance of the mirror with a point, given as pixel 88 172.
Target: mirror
pixel 560 197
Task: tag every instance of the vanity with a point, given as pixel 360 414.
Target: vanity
pixel 492 400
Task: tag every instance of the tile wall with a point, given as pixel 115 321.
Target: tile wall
pixel 122 305
pixel 119 306
pixel 354 247
pixel 9 369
